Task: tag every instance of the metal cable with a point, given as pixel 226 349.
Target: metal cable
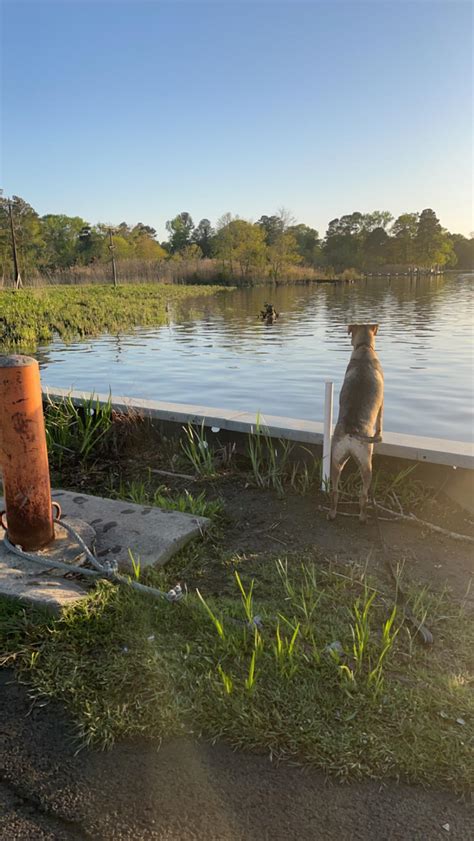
pixel 107 570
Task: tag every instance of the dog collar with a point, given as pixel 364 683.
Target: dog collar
pixel 363 344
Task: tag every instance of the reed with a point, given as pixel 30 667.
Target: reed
pixel 269 459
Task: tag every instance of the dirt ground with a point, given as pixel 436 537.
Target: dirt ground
pixel 262 523
pixel 186 791
pixel 196 791
pixel 258 524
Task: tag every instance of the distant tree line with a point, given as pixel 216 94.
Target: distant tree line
pixel 273 247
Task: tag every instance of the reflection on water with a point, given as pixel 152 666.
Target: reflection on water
pixel 216 352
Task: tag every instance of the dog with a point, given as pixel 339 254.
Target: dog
pixel 269 315
pixel 359 425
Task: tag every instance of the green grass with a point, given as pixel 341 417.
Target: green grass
pixel 394 490
pixel 378 705
pixel 142 493
pixel 77 430
pixel 269 459
pixel 272 466
pixel 33 316
pixel 375 704
pixel 196 451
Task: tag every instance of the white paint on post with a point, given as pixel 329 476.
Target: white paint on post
pixel 328 400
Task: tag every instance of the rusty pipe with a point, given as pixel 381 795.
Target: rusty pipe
pixel 24 455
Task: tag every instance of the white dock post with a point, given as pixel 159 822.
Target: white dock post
pixel 328 400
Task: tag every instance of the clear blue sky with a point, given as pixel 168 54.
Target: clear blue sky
pixel 138 110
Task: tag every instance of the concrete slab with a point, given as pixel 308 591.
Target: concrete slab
pixel 40 584
pixel 152 534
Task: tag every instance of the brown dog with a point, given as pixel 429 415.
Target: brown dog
pixel 269 315
pixel 359 425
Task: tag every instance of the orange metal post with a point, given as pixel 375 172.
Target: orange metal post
pixel 23 454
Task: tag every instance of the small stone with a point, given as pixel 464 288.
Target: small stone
pixel 256 622
pixel 460 721
pixel 335 647
pixel 446 827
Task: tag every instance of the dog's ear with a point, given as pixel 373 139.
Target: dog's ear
pixel 351 328
pixel 374 328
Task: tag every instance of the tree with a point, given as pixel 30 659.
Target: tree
pixel 239 244
pixel 344 241
pixel 377 219
pixel 123 230
pixel 145 246
pixel 376 245
pixel 282 253
pixel 224 220
pixel 272 227
pixel 308 244
pixel 403 233
pixel 271 245
pixel 149 249
pixel 91 245
pixel 141 230
pixel 463 251
pixel 202 236
pixel 191 253
pixel 123 248
pixel 60 235
pixel 351 224
pixel 27 233
pixel 180 229
pixel 432 243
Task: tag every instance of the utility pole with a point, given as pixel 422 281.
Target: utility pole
pixel 17 282
pixel 111 249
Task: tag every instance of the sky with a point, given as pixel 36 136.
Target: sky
pixel 137 111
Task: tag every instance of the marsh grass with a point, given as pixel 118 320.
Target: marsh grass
pixel 126 666
pixel 197 452
pixel 269 459
pixel 76 429
pixel 33 316
pixel 304 474
pixel 178 271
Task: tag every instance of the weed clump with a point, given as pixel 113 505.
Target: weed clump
pixel 80 430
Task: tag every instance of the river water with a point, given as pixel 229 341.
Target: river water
pixel 217 353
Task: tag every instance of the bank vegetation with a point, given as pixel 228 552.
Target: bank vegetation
pixel 57 249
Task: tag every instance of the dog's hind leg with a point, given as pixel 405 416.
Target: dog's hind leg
pixel 379 425
pixel 363 457
pixel 339 458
